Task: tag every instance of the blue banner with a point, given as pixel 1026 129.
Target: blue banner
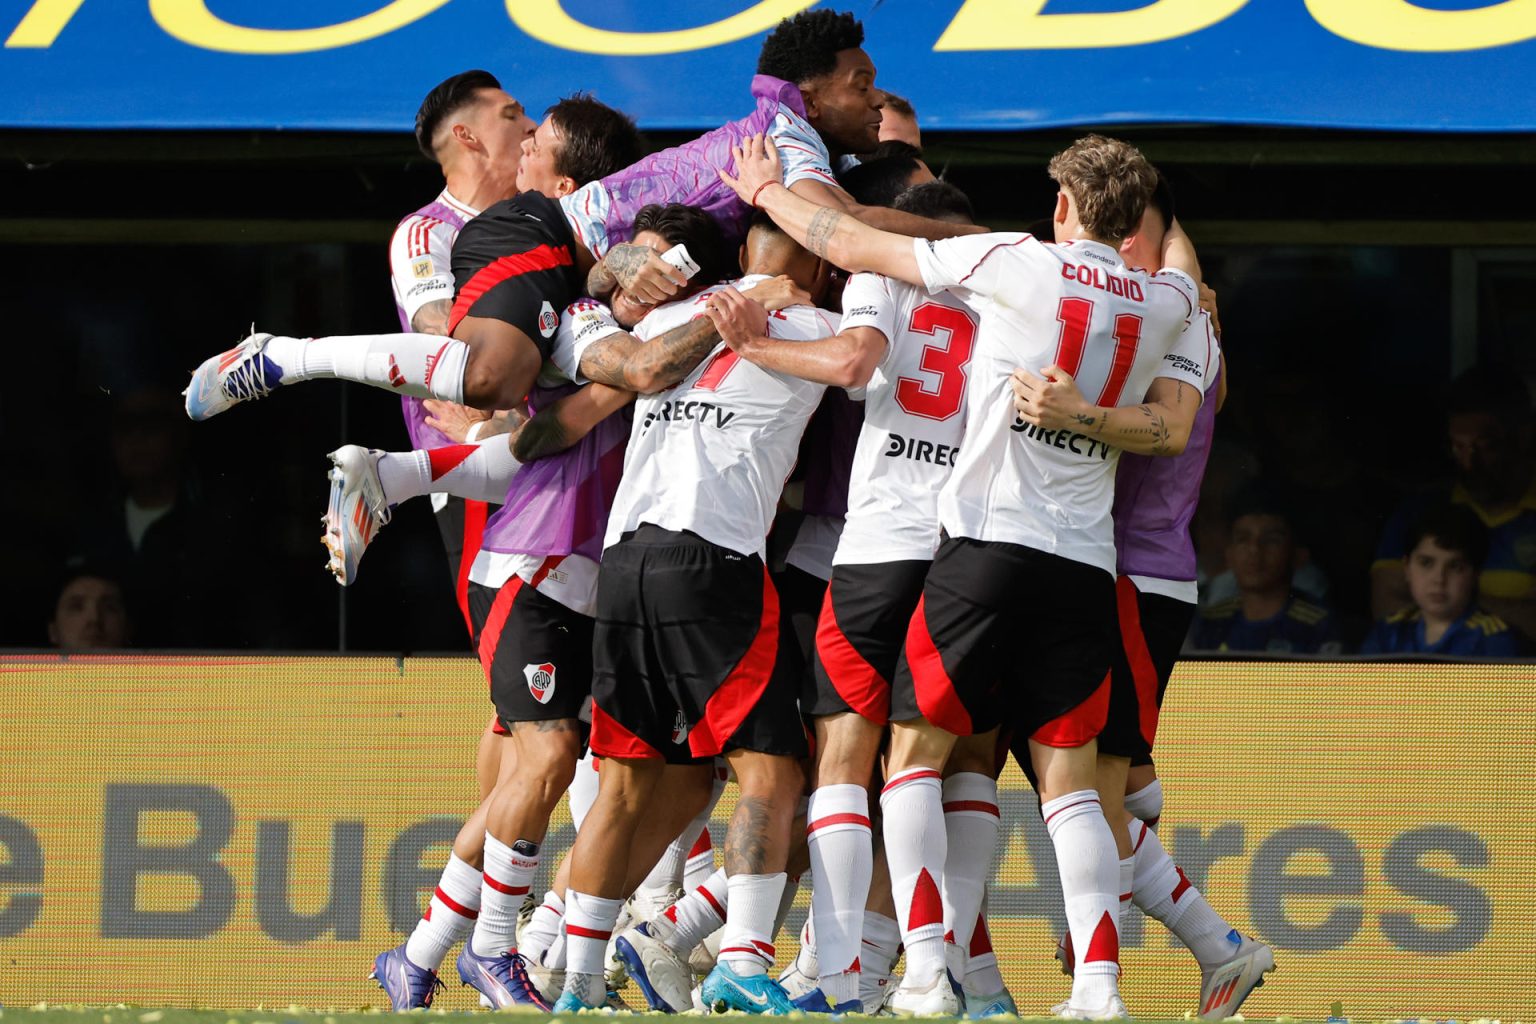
pixel 364 65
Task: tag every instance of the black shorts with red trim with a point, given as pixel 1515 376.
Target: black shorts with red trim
pixel 515 263
pixel 462 523
pixel 860 636
pixel 536 652
pixel 1152 632
pixel 686 653
pixel 1008 635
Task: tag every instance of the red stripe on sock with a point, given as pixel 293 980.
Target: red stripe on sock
pixel 709 898
pixel 925 773
pixel 587 933
pixel 1182 887
pixel 446 460
pixel 503 887
pixel 454 905
pixel 972 805
pixel 702 845
pixel 927 906
pixel 1105 944
pixel 1079 803
pixel 846 818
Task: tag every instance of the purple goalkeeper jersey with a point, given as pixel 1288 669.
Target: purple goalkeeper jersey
pixel 1155 498
pixel 423 436
pixel 559 505
pixel 602 212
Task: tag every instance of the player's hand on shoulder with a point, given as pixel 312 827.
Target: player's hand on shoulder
pixel 778 293
pixel 737 318
pixel 453 420
pixel 1050 400
pixel 757 164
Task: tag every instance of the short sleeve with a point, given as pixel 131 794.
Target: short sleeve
pixel 587 210
pixel 868 302
pixel 970 264
pixel 420 263
pixel 801 150
pixel 583 323
pixel 1189 361
pixel 1182 283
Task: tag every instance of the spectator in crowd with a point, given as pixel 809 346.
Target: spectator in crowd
pixel 152 528
pixel 1488 422
pixel 899 121
pixel 89 612
pixel 1268 614
pixel 1446 547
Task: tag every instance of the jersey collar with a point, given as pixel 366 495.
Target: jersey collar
pixel 447 199
pixel 1097 250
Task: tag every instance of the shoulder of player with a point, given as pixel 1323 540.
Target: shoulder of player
pixel 1306 612
pixel 982 249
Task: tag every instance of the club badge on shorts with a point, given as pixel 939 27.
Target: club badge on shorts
pixel 549 320
pixel 679 728
pixel 541 681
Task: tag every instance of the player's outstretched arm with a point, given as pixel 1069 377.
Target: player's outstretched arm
pixel 561 425
pixel 845 360
pixel 1159 426
pixel 828 233
pixel 883 218
pixel 1179 251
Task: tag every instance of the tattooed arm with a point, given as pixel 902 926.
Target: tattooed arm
pixel 885 218
pixel 1158 426
pixel 832 234
pixel 561 425
pixel 639 270
pixel 624 361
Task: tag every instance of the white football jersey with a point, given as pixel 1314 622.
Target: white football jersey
pixel 914 418
pixel 419 268
pixel 582 323
pixel 711 454
pixel 1079 306
pixel 569 579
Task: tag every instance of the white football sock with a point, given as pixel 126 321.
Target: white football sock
pixel 582 793
pixel 1147 803
pixel 701 862
pixel 547 922
pixel 507 879
pixel 691 919
pixel 748 942
pixel 1127 887
pixel 877 957
pixel 982 976
pixel 915 848
pixel 1090 889
pixel 450 915
pixel 1164 894
pixel 842 860
pixel 971 826
pixel 589 922
pixel 420 365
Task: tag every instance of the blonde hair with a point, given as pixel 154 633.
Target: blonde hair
pixel 1110 181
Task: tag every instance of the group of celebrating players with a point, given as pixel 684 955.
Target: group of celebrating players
pixel 624 354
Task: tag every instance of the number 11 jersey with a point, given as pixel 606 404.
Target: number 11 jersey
pixel 1113 328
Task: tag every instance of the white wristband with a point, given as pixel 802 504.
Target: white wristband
pixel 473 433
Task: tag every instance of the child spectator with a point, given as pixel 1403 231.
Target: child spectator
pixel 1266 615
pixel 1447 547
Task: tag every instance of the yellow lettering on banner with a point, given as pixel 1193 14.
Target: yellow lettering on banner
pixel 546 21
pixel 1012 25
pixel 1400 25
pixel 42 24
pixel 191 22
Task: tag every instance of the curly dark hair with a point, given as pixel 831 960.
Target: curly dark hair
pixel 687 225
pixel 447 98
pixel 597 139
pixel 806 46
pixel 878 180
pixel 937 200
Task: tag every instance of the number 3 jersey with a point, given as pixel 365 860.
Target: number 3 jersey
pixel 711 455
pixel 1113 328
pixel 914 418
